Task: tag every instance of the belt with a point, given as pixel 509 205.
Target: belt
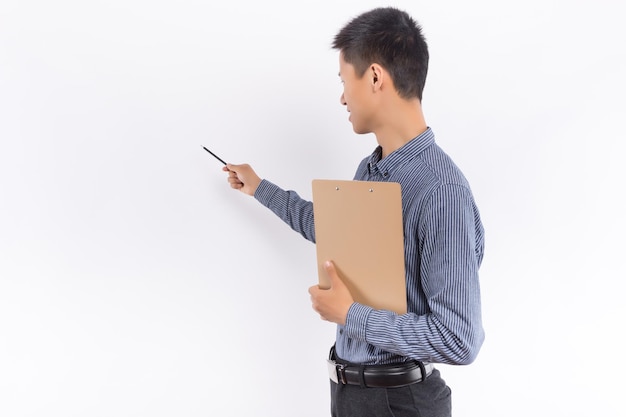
pixel 379 376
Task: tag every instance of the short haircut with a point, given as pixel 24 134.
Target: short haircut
pixel 391 38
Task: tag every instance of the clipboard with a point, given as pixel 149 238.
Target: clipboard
pixel 358 226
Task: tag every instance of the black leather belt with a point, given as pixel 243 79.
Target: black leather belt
pixel 378 376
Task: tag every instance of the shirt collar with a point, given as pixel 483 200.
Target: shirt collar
pixel 398 157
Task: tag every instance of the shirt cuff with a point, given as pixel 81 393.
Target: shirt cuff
pixel 356 322
pixel 265 191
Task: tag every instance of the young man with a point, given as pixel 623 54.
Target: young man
pixel 383 362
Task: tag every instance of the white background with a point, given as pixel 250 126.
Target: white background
pixel 134 282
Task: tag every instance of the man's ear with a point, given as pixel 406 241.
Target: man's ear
pixel 376 76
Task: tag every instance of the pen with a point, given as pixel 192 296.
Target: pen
pixel 216 157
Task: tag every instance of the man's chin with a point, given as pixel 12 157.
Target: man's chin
pixel 359 131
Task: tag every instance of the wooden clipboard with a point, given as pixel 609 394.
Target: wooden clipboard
pixel 358 226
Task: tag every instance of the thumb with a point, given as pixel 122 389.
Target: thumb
pixel 331 271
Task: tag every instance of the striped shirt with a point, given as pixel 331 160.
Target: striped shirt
pixel 443 249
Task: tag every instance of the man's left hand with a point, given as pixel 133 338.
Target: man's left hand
pixel 332 304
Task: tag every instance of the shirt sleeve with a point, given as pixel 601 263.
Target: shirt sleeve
pixel 289 206
pixel 450 249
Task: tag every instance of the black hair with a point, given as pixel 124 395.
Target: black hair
pixel 391 38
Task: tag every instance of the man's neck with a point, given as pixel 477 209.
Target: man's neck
pixel 402 122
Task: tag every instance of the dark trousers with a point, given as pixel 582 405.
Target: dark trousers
pixel 429 398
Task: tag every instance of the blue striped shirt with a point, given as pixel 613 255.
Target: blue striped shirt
pixel 443 250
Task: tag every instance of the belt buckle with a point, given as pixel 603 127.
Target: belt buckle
pixel 337 372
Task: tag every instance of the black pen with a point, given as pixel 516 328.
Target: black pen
pixel 216 157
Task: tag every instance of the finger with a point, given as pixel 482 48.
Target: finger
pixel 233 167
pixel 331 271
pixel 234 183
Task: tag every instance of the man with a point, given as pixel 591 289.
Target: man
pixel 382 362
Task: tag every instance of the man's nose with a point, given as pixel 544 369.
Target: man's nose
pixel 342 100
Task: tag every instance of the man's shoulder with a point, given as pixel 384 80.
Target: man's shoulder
pixel 442 166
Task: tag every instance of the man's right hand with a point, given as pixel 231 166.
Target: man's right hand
pixel 243 178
